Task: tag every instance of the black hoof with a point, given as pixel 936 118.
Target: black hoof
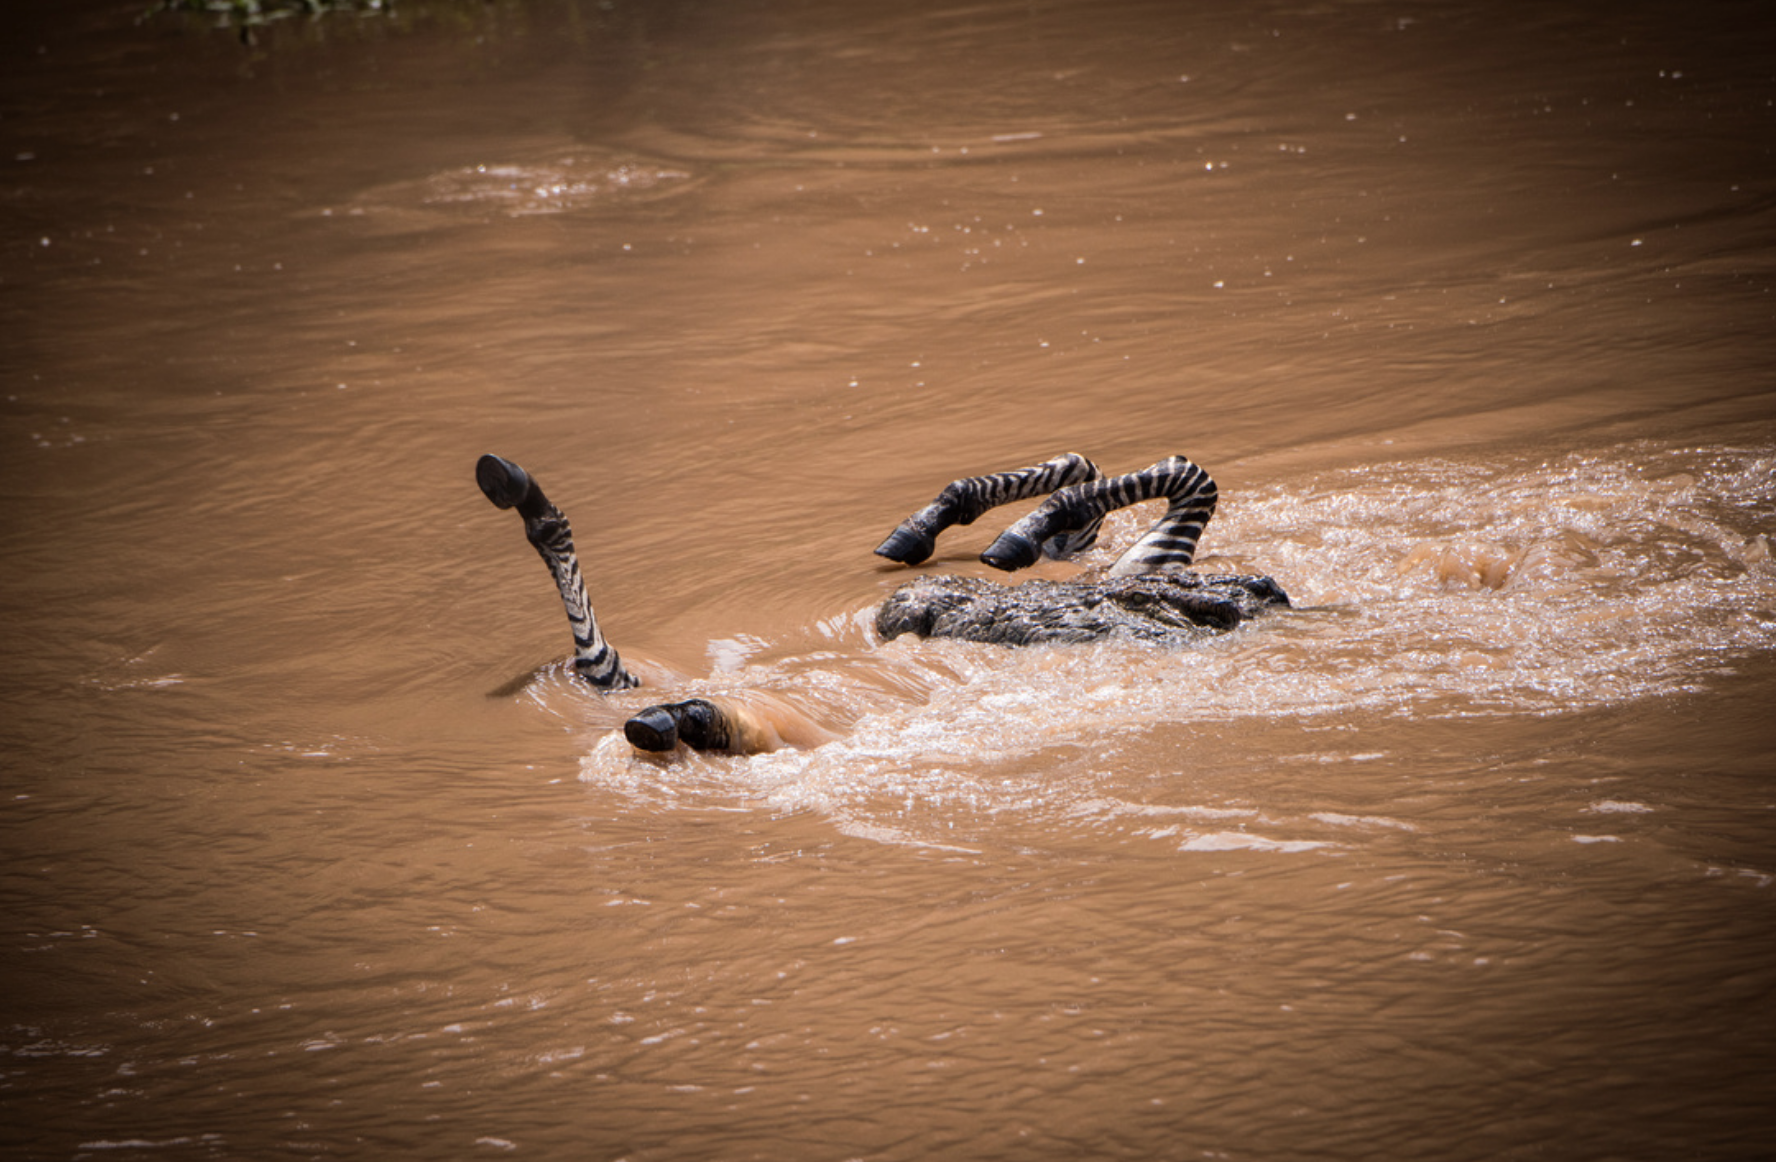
pixel 654 729
pixel 694 722
pixel 908 545
pixel 1012 551
pixel 700 724
pixel 504 482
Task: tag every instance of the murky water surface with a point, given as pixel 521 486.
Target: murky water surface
pixel 314 849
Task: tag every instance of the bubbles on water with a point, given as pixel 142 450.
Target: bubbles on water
pixel 550 187
pixel 1617 807
pixel 550 183
pixel 1243 841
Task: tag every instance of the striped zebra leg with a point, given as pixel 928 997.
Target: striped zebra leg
pixel 961 501
pixel 1170 541
pixel 509 486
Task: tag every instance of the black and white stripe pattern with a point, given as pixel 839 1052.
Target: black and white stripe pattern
pixel 1170 541
pixel 546 527
pixel 1079 497
pixel 962 501
pixel 595 659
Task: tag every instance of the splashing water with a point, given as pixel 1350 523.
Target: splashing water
pixel 1427 589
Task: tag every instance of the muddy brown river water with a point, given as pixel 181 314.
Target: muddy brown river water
pixel 311 847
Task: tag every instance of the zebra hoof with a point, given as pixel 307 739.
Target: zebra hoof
pixel 1012 551
pixel 701 725
pixel 698 724
pixel 654 729
pixel 502 481
pixel 908 545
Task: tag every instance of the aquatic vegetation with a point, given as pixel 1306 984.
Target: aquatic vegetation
pixel 260 11
pixel 245 17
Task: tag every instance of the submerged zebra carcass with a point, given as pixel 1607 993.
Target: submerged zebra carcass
pixel 1146 596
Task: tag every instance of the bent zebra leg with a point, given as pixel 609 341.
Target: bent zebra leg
pixel 1170 541
pixel 961 501
pixel 546 527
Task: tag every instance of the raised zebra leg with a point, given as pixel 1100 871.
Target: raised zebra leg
pixel 961 501
pixel 509 486
pixel 1170 541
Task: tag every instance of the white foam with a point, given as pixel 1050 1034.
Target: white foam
pixel 1590 581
